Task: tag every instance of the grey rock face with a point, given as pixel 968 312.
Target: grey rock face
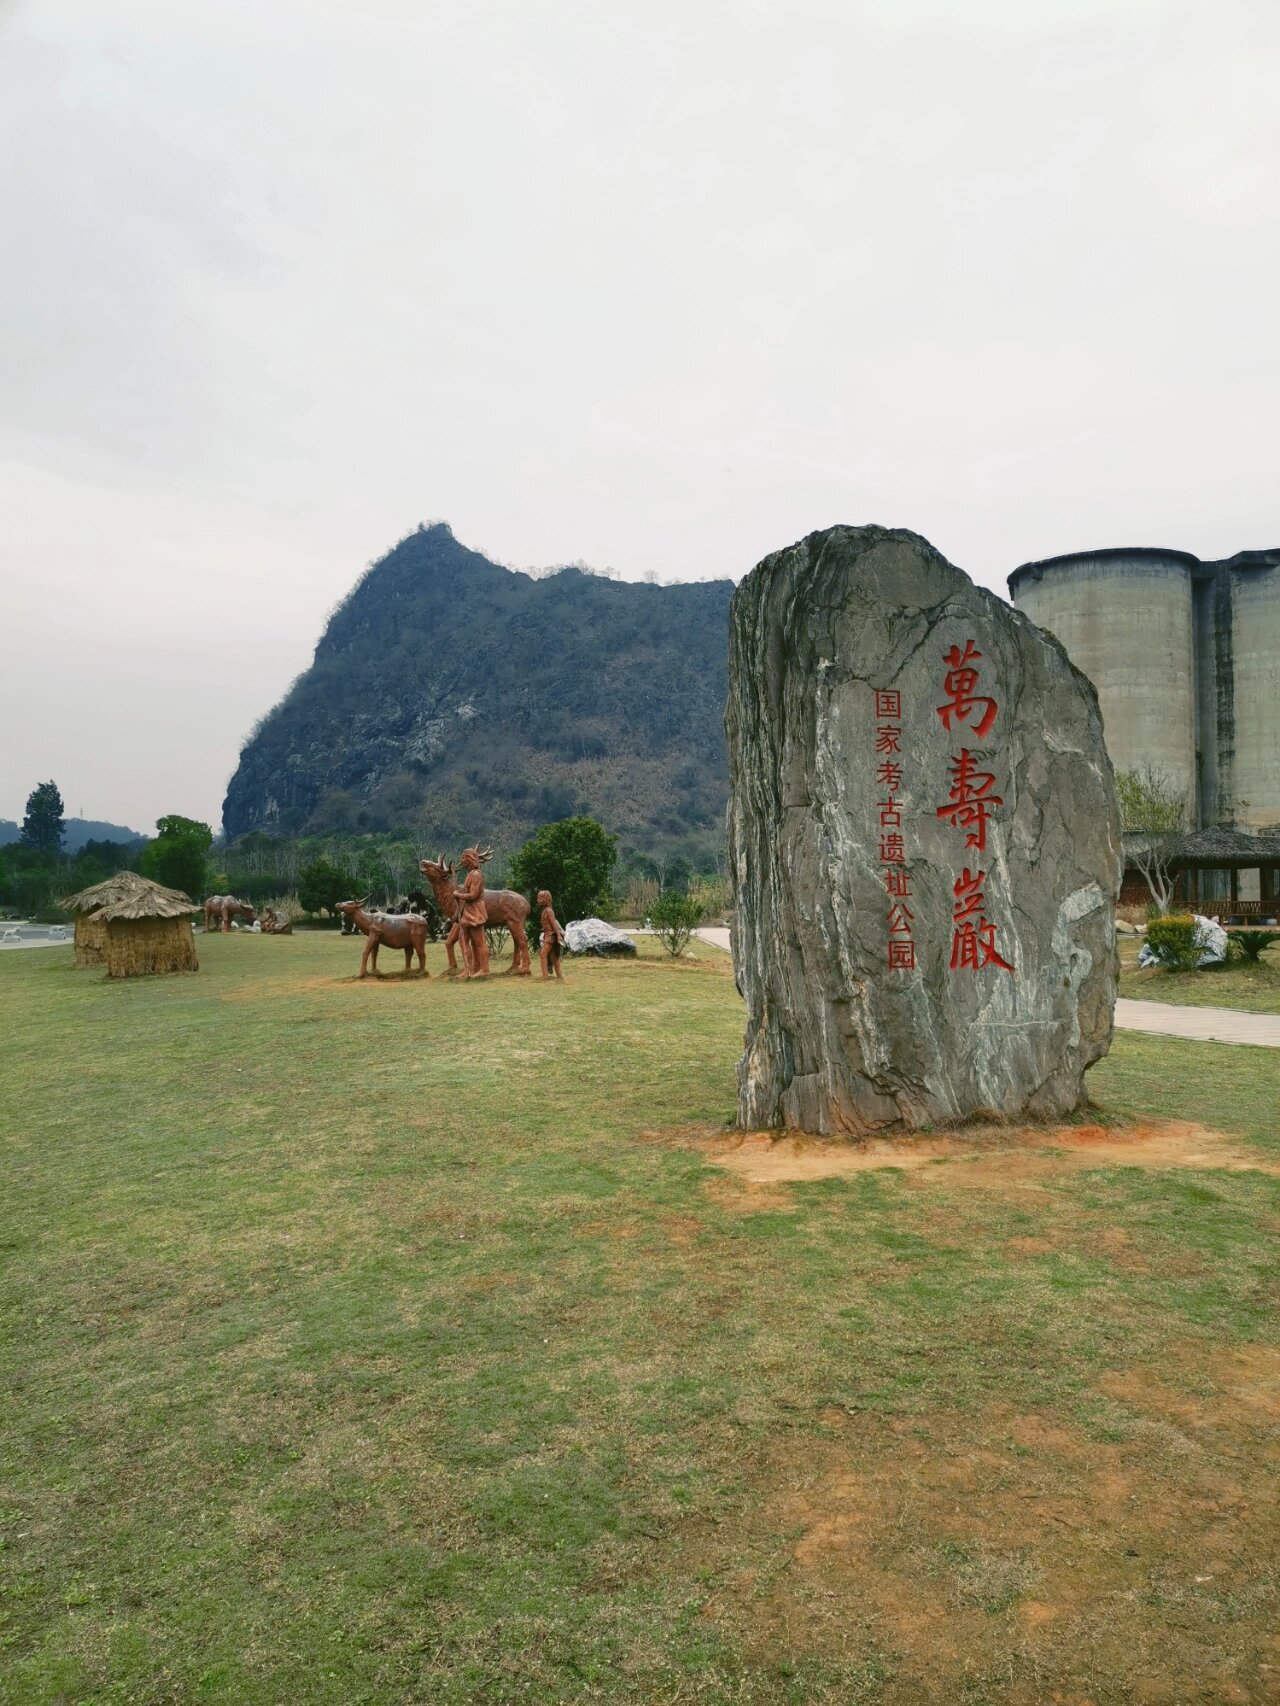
pixel 924 844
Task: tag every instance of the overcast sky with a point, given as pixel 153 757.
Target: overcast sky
pixel 656 286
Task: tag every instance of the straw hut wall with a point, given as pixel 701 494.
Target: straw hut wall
pixel 139 947
pixel 135 926
pixel 91 939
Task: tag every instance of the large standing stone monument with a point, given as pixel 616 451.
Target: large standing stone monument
pixel 924 844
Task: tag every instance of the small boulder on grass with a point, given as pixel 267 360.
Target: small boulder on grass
pixel 594 936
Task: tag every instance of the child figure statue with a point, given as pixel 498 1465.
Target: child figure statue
pixel 552 938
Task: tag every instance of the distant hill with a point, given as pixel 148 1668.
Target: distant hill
pixel 454 698
pixel 78 831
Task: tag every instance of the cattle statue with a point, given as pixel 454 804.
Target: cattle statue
pixel 220 909
pixel 407 932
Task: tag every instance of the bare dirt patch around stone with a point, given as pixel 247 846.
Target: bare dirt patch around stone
pixel 1000 1157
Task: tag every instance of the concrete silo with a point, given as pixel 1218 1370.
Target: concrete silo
pixel 1127 619
pixel 1186 659
pixel 1254 578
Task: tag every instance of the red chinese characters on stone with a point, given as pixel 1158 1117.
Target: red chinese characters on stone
pixel 901 949
pixel 960 681
pixel 973 941
pixel 970 799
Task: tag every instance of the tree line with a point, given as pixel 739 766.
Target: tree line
pixel 575 857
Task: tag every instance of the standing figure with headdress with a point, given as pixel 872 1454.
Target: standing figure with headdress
pixel 473 916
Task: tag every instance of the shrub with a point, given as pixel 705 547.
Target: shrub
pixel 1174 939
pixel 497 936
pixel 572 859
pixel 1252 942
pixel 675 918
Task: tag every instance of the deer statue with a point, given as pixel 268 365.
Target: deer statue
pixel 220 909
pixel 405 932
pixel 507 910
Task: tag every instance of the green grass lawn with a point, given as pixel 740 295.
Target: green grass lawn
pixel 1251 988
pixel 394 1341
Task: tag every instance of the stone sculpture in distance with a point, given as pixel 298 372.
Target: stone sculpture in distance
pixel 923 841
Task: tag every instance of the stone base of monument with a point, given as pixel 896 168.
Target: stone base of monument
pixel 923 841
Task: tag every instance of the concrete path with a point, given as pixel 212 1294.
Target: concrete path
pixel 1200 1024
pixel 1159 1018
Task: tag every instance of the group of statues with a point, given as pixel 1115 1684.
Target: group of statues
pixel 223 911
pixel 471 910
pixel 469 906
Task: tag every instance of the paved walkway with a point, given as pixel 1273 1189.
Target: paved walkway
pixel 1200 1024
pixel 1159 1018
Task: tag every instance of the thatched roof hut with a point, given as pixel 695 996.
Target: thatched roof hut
pixel 134 927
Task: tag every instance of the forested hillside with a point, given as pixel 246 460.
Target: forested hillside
pixel 78 832
pixel 451 697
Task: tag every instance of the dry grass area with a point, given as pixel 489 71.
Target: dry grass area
pixel 1003 1549
pixel 1013 1554
pixel 404 1341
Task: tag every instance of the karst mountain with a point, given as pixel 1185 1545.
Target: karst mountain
pixel 451 697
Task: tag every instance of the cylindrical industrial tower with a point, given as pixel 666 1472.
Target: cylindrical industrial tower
pixel 1255 655
pixel 1185 656
pixel 1126 618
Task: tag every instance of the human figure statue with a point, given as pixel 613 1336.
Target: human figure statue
pixel 552 938
pixel 473 915
pixel 503 907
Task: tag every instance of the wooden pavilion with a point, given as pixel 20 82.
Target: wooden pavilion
pixel 1229 874
pixel 133 927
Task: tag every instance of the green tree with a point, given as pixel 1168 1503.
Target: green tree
pixel 322 885
pixel 43 826
pixel 675 918
pixel 179 855
pixel 574 859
